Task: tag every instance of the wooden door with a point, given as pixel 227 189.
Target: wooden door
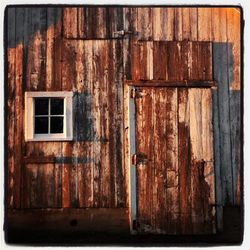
pixel 174 160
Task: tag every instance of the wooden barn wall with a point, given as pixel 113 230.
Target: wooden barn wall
pixel 89 171
pixel 76 49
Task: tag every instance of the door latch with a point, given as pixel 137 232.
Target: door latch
pixel 124 32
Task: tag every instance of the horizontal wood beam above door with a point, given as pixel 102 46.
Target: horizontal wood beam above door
pixel 173 84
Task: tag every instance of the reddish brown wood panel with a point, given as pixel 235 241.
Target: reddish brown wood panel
pixel 175 183
pixel 92 22
pixel 173 61
pixel 184 161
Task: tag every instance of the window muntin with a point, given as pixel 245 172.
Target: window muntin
pixel 48 116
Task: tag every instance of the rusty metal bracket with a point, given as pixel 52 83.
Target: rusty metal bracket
pixel 133 159
pixel 137 93
pixel 124 32
pixel 132 93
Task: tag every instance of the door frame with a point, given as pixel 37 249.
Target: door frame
pixel 130 126
pixel 130 149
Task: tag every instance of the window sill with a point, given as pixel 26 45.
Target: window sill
pixel 49 139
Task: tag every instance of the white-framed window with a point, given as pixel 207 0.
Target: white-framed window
pixel 48 116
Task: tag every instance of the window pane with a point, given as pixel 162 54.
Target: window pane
pixel 56 107
pixel 41 125
pixel 56 125
pixel 41 106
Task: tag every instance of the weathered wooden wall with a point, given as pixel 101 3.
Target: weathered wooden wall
pixel 76 49
pixel 89 171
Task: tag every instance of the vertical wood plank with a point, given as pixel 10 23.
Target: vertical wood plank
pixel 234 39
pixel 48 185
pixel 127 151
pixel 174 64
pixel 189 24
pixel 160 159
pixel 178 36
pixel 217 163
pixel 112 117
pixel 66 175
pixel 88 81
pixel 70 22
pixel 135 60
pixel 69 65
pixel 220 74
pixel 11 104
pixel 32 192
pixel 97 71
pixel 18 126
pixel 119 79
pixel 38 49
pixel 170 24
pixel 150 69
pixel 185 58
pixel 194 52
pixel 160 57
pixel 205 59
pixel 130 23
pixel 193 14
pixel 204 24
pixel 219 30
pixel 208 157
pixel 58 185
pixel 172 184
pixel 19 133
pixel 197 167
pixel 144 23
pixel 53 49
pixel 50 48
pixel 157 23
pixel 79 65
pixel 81 22
pixel 233 46
pixel 184 161
pixel 104 125
pixel 100 28
pixel 143 60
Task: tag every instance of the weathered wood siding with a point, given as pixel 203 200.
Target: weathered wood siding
pixel 76 49
pixel 89 171
pixel 175 176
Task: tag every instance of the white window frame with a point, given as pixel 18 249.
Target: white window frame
pixel 67 134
